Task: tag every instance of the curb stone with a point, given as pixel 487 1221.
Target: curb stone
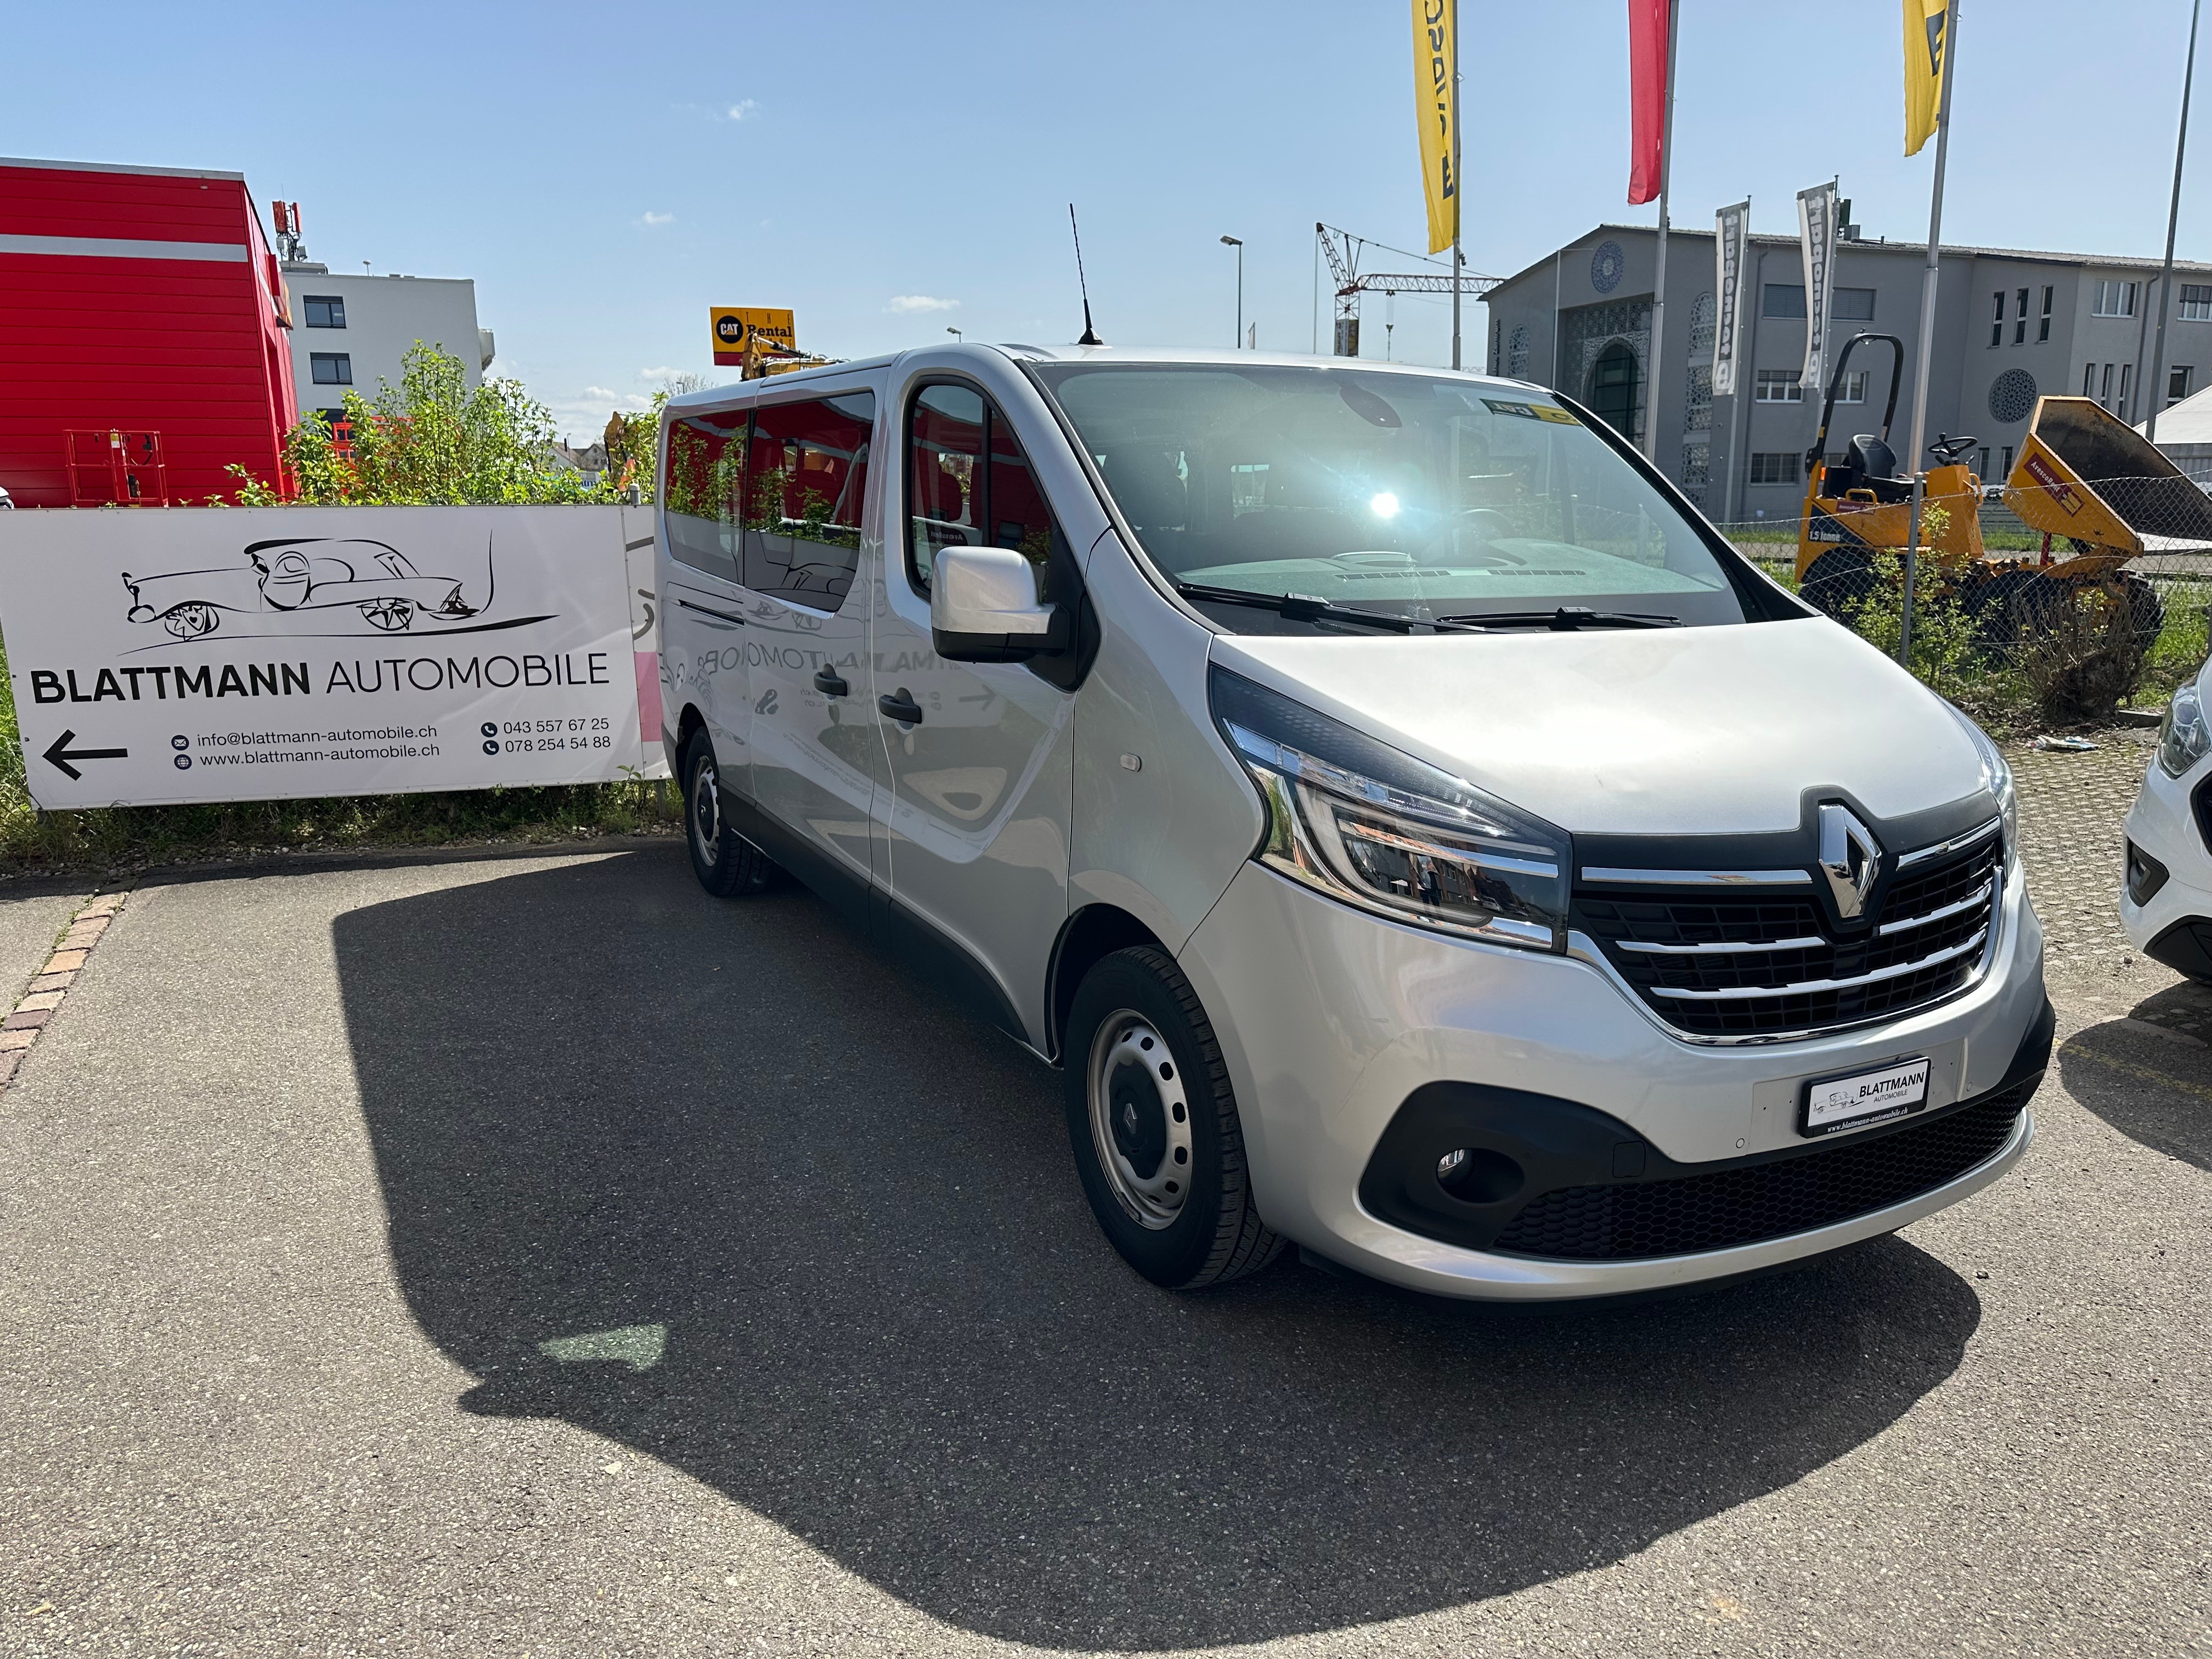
pixel 49 986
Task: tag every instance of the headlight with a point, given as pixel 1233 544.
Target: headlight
pixel 2182 737
pixel 1372 826
pixel 1997 778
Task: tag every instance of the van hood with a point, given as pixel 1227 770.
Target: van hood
pixel 1689 730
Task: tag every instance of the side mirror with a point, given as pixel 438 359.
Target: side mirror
pixel 983 607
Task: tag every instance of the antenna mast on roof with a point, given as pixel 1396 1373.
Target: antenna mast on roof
pixel 1090 334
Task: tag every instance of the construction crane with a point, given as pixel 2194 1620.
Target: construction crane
pixel 1344 272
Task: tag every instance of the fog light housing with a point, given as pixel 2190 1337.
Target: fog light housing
pixel 2146 875
pixel 1476 1174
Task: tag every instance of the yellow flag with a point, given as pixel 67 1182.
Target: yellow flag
pixel 1926 61
pixel 1436 103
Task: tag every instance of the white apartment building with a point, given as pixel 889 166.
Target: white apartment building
pixel 350 331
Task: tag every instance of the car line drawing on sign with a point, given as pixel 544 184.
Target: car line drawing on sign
pixel 374 580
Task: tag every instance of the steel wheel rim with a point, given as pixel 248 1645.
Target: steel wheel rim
pixel 706 814
pixel 1139 1106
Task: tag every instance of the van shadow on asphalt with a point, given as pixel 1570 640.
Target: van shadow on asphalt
pixel 716 1182
pixel 2154 1089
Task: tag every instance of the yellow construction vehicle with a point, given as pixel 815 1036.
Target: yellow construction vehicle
pixel 1859 508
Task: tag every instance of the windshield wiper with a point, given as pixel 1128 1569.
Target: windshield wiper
pixel 1566 619
pixel 1306 607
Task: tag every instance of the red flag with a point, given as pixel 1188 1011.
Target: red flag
pixel 1647 82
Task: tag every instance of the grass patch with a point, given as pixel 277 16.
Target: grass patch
pixel 135 837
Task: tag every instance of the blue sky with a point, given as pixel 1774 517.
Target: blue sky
pixel 607 173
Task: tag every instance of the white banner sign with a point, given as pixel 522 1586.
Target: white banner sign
pixel 256 654
pixel 1816 238
pixel 1731 230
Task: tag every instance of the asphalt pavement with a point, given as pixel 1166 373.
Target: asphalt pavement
pixel 529 1255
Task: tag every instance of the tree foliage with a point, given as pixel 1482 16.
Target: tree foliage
pixel 432 441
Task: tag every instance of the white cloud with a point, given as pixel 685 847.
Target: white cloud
pixel 657 373
pixel 904 303
pixel 601 394
pixel 738 110
pixel 658 219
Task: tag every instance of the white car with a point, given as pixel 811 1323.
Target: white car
pixel 2165 889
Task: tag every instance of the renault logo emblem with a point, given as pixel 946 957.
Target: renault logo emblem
pixel 1851 858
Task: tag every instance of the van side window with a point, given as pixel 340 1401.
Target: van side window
pixel 944 450
pixel 959 499
pixel 806 476
pixel 699 491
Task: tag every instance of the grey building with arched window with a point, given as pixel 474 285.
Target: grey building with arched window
pixel 2010 324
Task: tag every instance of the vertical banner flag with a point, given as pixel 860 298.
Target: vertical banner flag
pixel 1647 95
pixel 1923 69
pixel 1816 238
pixel 1436 67
pixel 1731 230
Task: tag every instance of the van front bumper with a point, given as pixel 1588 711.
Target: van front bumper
pixel 1332 1022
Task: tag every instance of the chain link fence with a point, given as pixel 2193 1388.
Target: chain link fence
pixel 2017 622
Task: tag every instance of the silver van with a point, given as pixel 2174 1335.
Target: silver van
pixel 1412 832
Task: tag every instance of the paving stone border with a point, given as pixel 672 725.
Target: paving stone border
pixel 19 1031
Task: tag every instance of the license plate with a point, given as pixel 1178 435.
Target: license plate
pixel 1864 1098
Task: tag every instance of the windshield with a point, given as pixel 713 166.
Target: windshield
pixel 1423 497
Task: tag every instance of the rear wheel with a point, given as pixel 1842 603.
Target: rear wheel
pixel 1838 582
pixel 2013 606
pixel 726 864
pixel 2146 611
pixel 1153 1125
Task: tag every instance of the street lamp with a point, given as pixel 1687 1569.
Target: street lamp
pixel 957 334
pixel 1231 242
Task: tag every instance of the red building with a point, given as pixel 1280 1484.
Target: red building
pixel 143 336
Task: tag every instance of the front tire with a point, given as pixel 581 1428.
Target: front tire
pixel 1152 1122
pixel 727 865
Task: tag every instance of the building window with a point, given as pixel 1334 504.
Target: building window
pixel 2089 380
pixel 1778 385
pixel 1517 354
pixel 2043 329
pixel 1852 305
pixel 2115 300
pixel 1996 318
pixel 2197 302
pixel 1853 389
pixel 325 310
pixel 1697 470
pixel 2105 393
pixel 2177 383
pixel 2020 318
pixel 1775 466
pixel 331 368
pixel 2127 378
pixel 1784 299
pixel 1698 407
pixel 2008 461
pixel 1982 462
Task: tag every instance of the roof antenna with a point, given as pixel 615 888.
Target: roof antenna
pixel 1090 334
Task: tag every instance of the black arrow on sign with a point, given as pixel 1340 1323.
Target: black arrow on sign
pixel 59 752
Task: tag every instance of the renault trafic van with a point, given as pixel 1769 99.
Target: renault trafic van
pixel 1412 832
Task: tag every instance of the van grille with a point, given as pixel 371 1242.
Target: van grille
pixel 1749 1204
pixel 1770 965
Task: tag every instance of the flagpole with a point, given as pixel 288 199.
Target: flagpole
pixel 1657 377
pixel 1927 344
pixel 2155 398
pixel 1459 184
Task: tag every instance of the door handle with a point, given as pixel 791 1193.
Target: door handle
pixel 830 684
pixel 901 707
pixel 709 610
